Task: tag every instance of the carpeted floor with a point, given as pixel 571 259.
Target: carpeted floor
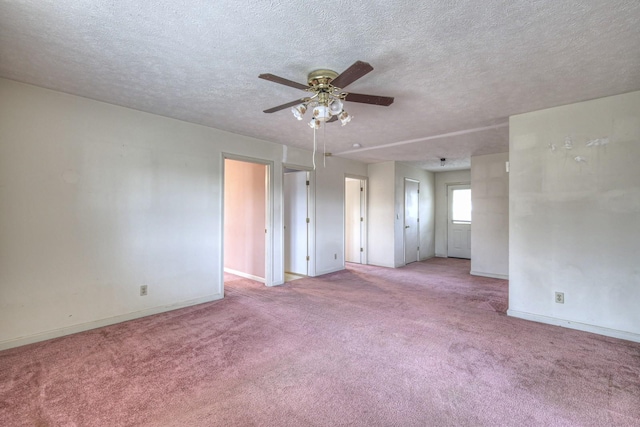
pixel 423 345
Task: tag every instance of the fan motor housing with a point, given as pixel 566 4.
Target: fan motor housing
pixel 321 78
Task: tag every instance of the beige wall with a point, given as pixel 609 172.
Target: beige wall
pixel 327 218
pixel 245 218
pixel 381 228
pixel 490 226
pixel 574 215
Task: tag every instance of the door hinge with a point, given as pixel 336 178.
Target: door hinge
pixel 307 182
pixel 308 258
pixel 418 247
pixel 308 221
pixel 418 191
pixel 417 219
pixel 361 188
pixel 361 249
pixel 361 219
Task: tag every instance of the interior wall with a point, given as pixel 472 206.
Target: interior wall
pixel 382 215
pixel 98 199
pixel 329 211
pixel 490 227
pixel 574 215
pixel 245 218
pixel 442 180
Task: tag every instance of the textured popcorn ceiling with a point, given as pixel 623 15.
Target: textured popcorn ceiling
pixel 451 66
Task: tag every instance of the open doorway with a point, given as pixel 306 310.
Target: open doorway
pixel 245 220
pixel 296 195
pixel 459 221
pixel 355 220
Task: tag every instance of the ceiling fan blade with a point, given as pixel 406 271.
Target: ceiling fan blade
pixel 351 74
pixel 287 105
pixel 283 81
pixel 332 119
pixel 369 99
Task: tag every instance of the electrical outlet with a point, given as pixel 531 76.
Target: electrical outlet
pixel 560 297
pixel 143 290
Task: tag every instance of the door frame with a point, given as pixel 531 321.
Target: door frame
pixel 311 211
pixel 364 228
pixel 404 219
pixel 269 220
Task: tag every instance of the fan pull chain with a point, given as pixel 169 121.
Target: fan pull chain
pixel 324 145
pixel 313 158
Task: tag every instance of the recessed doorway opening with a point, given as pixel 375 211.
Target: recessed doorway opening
pixel 246 202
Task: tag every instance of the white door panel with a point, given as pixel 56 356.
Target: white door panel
pixel 411 221
pixel 353 215
pixel 459 221
pixel 295 222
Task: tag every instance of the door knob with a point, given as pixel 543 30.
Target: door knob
pixel 406 226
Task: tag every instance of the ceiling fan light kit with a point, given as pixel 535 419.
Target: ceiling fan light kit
pixel 327 96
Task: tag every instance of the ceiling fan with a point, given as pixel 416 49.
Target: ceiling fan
pixel 327 94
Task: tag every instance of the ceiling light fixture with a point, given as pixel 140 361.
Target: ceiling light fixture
pixel 327 97
pixel 326 102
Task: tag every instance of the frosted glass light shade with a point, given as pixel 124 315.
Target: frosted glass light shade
pixel 321 112
pixel 314 124
pixel 298 111
pixel 335 107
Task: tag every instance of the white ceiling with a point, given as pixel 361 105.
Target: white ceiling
pixel 457 70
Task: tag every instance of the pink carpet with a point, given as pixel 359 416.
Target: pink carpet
pixel 423 345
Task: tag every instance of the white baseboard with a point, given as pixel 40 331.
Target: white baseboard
pixel 74 329
pixel 493 276
pixel 245 275
pixel 332 270
pixel 629 336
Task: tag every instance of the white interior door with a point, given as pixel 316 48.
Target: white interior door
pixel 353 209
pixel 411 221
pixel 295 222
pixel 459 222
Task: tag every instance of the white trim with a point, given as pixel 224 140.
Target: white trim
pixel 74 329
pixel 333 270
pixel 629 336
pixel 245 275
pixel 492 275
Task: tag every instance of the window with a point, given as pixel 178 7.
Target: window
pixel 461 206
